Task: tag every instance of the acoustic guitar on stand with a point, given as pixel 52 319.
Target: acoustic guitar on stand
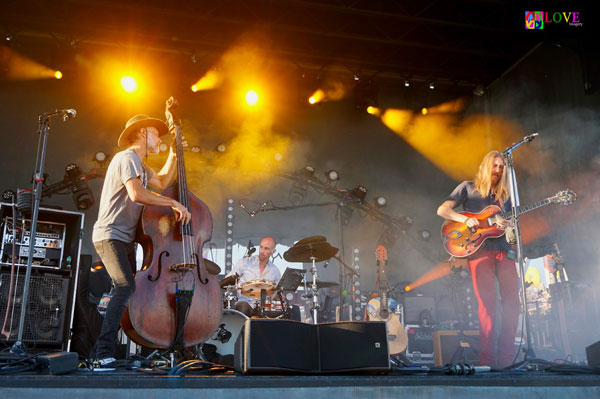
pixel 460 241
pixel 382 309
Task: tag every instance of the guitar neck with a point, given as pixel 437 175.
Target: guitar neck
pixel 527 208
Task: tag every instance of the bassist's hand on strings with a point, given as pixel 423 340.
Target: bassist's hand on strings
pixel 173 148
pixel 182 214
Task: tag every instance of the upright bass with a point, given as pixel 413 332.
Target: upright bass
pixel 177 302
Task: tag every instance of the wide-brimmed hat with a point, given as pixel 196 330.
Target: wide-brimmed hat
pixel 139 121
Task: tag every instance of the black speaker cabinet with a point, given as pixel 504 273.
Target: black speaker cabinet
pixel 592 353
pixel 290 346
pixel 353 346
pixel 46 313
pixel 448 347
pixel 53 282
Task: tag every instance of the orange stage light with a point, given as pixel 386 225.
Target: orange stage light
pixel 58 75
pixel 317 97
pixel 129 84
pixel 252 98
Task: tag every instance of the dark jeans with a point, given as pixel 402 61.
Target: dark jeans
pixel 118 258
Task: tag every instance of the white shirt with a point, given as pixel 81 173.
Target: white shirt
pixel 249 269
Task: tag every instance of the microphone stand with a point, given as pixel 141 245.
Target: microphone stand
pixel 514 203
pixel 43 130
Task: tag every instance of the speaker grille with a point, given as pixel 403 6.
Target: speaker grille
pixel 44 319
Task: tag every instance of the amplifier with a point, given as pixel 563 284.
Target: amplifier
pixel 453 347
pixel 48 243
pixel 420 344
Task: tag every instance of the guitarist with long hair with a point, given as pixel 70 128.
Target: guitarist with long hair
pixel 492 261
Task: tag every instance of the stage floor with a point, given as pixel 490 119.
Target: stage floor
pixel 139 384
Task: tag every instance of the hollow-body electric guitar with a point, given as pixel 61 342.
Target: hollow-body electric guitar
pixel 461 241
pixel 383 309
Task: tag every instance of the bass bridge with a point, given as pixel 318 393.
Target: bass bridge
pixel 182 267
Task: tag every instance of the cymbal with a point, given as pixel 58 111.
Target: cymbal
pixel 252 288
pixel 229 280
pixel 308 248
pixel 311 240
pixel 324 284
pixel 211 267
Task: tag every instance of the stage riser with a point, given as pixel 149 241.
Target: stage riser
pixel 175 391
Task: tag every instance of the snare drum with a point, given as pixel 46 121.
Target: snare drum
pixel 228 331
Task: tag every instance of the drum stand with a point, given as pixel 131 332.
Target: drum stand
pixel 313 290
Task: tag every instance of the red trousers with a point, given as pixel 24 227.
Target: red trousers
pixel 485 267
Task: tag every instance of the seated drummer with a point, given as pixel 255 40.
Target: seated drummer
pixel 254 268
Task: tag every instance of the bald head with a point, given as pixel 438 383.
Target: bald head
pixel 266 248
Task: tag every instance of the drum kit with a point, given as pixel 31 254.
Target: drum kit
pixel 309 250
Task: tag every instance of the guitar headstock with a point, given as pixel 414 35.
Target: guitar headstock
pixel 564 197
pixel 172 118
pixel 381 254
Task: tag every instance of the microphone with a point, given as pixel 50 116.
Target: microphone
pixel 531 136
pixel 66 114
pixel 249 249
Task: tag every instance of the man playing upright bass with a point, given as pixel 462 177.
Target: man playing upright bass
pixel 123 195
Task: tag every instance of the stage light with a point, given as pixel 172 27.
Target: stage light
pixel 129 84
pixel 194 88
pixel 359 192
pixel 373 110
pixel 356 77
pixel 479 90
pixel 100 157
pixel 8 37
pixel 424 111
pixel 251 98
pixel 221 148
pixel 380 202
pixel 82 195
pixel 308 171
pixel 425 235
pixel 406 83
pixel 431 85
pixel 317 97
pixel 332 175
pixel 58 75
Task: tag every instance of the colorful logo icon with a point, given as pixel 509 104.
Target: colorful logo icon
pixel 534 20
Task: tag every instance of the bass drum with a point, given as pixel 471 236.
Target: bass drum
pixel 229 329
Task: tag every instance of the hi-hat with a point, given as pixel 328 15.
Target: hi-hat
pixel 229 280
pixel 211 267
pixel 311 248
